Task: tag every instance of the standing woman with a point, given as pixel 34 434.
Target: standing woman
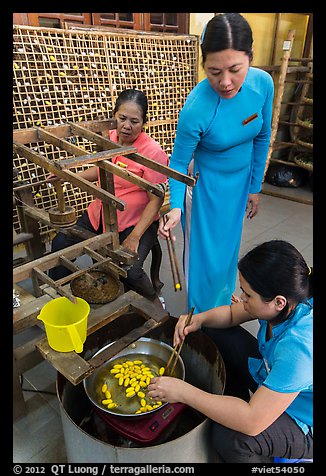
pixel 138 223
pixel 225 127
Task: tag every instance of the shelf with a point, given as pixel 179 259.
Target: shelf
pixel 304 165
pixel 282 145
pixel 285 162
pixel 302 103
pixel 307 101
pixel 306 145
pixel 304 124
pixel 296 116
pixel 301 194
pixel 298 124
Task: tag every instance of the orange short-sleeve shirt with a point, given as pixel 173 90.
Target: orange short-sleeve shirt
pixel 135 197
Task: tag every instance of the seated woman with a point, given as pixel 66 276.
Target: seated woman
pixel 276 420
pixel 138 223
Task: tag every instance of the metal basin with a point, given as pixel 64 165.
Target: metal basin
pixel 153 353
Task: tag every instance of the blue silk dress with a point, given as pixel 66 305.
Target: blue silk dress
pixel 230 158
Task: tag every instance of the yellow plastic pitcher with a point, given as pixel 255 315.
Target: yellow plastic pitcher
pixel 65 323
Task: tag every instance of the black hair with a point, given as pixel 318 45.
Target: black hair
pixel 225 31
pixel 133 95
pixel 277 268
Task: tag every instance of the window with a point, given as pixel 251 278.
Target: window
pixel 156 22
pixel 57 20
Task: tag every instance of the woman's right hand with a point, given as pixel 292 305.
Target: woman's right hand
pixel 53 178
pixel 172 218
pixel 180 331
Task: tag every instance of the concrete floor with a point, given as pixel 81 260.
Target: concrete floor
pixel 38 436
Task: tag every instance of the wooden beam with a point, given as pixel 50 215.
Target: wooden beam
pixel 108 144
pixel 24 272
pixel 131 177
pixel 96 157
pixel 46 136
pixel 60 290
pixel 22 238
pixel 279 96
pixel 77 181
pixel 107 262
pixel 29 135
pixel 120 255
pixel 26 316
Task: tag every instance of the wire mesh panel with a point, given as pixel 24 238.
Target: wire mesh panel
pixel 75 75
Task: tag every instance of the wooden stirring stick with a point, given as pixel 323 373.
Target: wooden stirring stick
pixel 173 260
pixel 187 322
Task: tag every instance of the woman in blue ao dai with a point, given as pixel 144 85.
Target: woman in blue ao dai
pixel 223 132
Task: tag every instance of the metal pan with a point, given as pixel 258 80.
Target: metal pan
pixel 153 354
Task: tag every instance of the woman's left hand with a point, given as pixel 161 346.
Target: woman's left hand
pixel 252 205
pixel 167 389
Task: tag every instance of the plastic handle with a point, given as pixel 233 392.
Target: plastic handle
pixel 76 340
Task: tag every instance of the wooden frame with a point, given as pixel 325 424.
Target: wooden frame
pixel 58 135
pixel 63 75
pixel 105 248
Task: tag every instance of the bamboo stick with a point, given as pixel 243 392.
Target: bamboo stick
pixel 173 260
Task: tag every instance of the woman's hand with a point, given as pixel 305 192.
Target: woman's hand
pixel 167 389
pixel 172 218
pixel 53 177
pixel 180 331
pixel 131 243
pixel 252 205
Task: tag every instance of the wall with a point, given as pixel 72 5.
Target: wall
pixel 263 26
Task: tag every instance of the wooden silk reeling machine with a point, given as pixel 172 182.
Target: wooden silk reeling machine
pixel 104 249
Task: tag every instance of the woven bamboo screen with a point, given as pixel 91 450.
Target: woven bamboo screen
pixel 75 75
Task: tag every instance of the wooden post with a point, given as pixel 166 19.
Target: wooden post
pixel 287 47
pixel 60 196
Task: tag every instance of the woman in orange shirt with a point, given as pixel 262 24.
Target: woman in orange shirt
pixel 138 223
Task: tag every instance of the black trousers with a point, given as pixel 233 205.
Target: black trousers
pixel 283 438
pixel 136 279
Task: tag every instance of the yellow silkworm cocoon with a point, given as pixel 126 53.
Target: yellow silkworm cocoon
pixel 112 405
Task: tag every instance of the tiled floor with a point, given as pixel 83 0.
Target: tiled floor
pixel 38 436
